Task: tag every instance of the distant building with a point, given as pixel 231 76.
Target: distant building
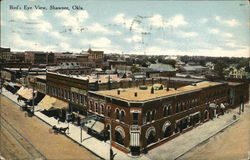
pixel 5 54
pixel 97 57
pixel 233 72
pixel 164 69
pixel 38 57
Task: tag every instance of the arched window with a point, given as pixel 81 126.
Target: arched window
pixel 166 129
pixel 150 135
pixel 102 109
pixel 117 114
pixel 153 115
pixel 148 116
pixel 119 135
pixel 96 107
pixel 109 111
pixel 90 105
pixel 167 110
pixel 122 116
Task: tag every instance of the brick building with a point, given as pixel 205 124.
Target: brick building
pixel 96 56
pixel 145 117
pixel 5 54
pixel 37 57
pixel 70 89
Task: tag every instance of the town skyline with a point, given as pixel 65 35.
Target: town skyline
pixel 217 29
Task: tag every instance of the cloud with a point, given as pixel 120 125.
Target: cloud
pixel 203 20
pixel 57 35
pixel 44 26
pixel 18 15
pixel 75 20
pixel 133 39
pixel 228 35
pixel 230 22
pixel 96 28
pixel 22 44
pixel 187 34
pixel 101 42
pixel 175 21
pixel 157 20
pixel 121 19
pixel 213 31
pixel 36 14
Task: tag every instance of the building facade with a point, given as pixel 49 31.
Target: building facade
pixel 145 117
pixel 70 89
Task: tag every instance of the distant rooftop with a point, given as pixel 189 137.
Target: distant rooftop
pixel 145 95
pixel 94 78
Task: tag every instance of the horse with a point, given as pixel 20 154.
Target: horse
pixel 56 129
pixel 63 129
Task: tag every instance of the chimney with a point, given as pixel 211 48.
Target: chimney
pixel 152 90
pixel 135 94
pixel 167 88
pixel 118 92
pixel 175 88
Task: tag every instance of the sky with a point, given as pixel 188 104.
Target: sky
pixel 199 28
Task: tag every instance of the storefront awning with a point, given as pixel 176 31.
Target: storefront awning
pixel 95 125
pixel 25 93
pixel 6 83
pixel 49 102
pixel 135 139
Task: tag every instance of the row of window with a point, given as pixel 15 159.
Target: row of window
pixel 67 95
pixel 119 114
pixel 41 86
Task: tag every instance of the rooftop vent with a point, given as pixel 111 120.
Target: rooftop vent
pixel 118 92
pixel 167 88
pixel 175 88
pixel 152 90
pixel 135 94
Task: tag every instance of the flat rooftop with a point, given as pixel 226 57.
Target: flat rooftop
pixel 128 94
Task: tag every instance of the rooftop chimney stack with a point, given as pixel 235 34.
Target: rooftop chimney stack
pixel 135 94
pixel 118 92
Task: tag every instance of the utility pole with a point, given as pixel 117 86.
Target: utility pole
pixel 110 135
pixel 33 103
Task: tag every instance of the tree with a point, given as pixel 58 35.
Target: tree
pixel 134 69
pixel 219 69
pixel 170 62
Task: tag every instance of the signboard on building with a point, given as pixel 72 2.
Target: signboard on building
pixel 77 90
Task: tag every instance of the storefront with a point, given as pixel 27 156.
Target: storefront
pixel 54 107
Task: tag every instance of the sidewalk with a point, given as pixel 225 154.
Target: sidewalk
pixel 96 146
pixel 182 144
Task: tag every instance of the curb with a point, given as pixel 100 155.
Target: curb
pixel 217 132
pixel 64 135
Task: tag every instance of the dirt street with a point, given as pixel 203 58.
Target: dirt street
pixel 232 144
pixel 36 132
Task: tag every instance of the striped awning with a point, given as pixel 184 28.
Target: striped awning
pixel 25 93
pixel 135 139
pixel 49 102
